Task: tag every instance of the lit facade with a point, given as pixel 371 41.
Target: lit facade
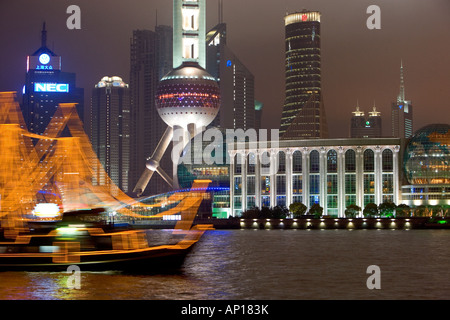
pixel 46 86
pixel 334 173
pixel 427 167
pixel 110 126
pixel 303 114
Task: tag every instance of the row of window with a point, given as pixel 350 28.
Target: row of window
pixel 387 184
pixel 332 201
pixel 387 162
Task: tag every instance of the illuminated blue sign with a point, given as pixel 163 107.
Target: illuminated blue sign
pixel 51 87
pixel 229 63
pixel 38 67
pixel 44 58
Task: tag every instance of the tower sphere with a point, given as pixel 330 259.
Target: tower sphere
pixel 188 94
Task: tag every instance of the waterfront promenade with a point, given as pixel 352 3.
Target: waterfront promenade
pixel 329 223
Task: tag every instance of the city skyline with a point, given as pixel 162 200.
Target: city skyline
pixel 358 64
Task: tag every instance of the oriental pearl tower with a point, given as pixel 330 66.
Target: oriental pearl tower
pixel 188 97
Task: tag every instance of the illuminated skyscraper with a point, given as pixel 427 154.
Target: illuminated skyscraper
pixel 189 32
pixel 366 127
pixel 303 113
pixel 151 59
pixel 237 83
pixel 46 86
pixel 402 112
pixel 110 130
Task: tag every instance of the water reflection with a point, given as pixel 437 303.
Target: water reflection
pixel 270 264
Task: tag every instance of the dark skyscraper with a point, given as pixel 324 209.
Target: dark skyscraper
pixel 237 83
pixel 151 59
pixel 110 131
pixel 46 86
pixel 402 112
pixel 362 127
pixel 303 114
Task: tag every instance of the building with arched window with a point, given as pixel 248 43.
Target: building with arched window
pixel 331 172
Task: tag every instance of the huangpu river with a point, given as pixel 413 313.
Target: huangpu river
pixel 270 265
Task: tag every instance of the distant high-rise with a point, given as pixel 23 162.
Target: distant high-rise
pixel 110 131
pixel 46 86
pixel 362 127
pixel 259 107
pixel 303 114
pixel 237 83
pixel 402 112
pixel 189 32
pixel 151 59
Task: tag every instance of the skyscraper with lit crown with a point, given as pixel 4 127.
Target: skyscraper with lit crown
pixel 110 131
pixel 366 127
pixel 303 114
pixel 402 112
pixel 46 86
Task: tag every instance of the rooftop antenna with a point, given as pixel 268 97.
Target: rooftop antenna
pixel 43 36
pixel 401 96
pixel 220 11
pixel 156 23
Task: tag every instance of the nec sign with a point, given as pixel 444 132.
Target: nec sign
pixel 51 87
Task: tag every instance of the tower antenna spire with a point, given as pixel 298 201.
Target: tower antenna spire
pixel 43 36
pixel 401 96
pixel 220 11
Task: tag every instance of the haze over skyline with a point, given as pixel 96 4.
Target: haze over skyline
pixel 358 64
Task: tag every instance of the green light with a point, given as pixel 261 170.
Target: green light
pixel 367 123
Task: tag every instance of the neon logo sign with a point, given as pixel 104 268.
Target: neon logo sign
pixel 51 87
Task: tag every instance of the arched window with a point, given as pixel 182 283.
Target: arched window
pixel 369 161
pixel 332 161
pixel 281 162
pixel 251 163
pixel 350 161
pixel 265 159
pixel 314 162
pixel 238 163
pixel 387 159
pixel 297 162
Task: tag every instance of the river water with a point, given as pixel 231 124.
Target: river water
pixel 270 265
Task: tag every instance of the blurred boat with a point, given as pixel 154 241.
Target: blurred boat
pixel 81 238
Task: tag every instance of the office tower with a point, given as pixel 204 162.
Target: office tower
pixel 189 32
pixel 402 112
pixel 237 83
pixel 110 131
pixel 366 127
pixel 374 124
pixel 46 86
pixel 303 114
pixel 151 59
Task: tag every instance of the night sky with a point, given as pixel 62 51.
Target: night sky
pixel 358 64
